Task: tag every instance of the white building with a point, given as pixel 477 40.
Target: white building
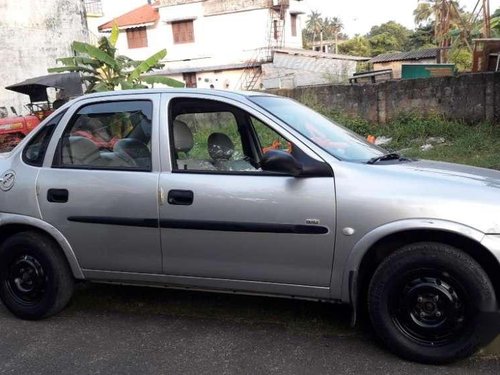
pixel 210 43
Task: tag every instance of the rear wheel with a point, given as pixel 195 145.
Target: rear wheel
pixel 425 301
pixel 35 279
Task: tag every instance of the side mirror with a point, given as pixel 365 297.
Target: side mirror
pixel 281 162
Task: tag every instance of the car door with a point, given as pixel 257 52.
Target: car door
pixel 99 183
pixel 224 218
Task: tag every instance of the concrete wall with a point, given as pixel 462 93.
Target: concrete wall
pixel 472 98
pixel 33 33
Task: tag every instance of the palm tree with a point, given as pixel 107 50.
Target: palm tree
pixel 333 27
pixel 314 25
pixel 446 15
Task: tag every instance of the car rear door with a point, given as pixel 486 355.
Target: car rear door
pixel 225 219
pixel 99 183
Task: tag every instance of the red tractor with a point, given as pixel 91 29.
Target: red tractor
pixel 14 128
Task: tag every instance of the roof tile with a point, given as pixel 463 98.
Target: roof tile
pixel 140 16
pixel 403 56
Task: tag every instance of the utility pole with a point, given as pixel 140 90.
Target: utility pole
pixel 321 40
pixel 486 17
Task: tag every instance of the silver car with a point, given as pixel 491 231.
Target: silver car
pixel 249 193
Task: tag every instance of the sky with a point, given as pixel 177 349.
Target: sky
pixel 359 16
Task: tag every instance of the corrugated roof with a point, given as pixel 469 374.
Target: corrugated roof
pixel 142 16
pixel 209 68
pixel 429 53
pixel 309 53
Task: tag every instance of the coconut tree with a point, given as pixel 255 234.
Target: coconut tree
pixel 448 19
pixel 314 26
pixel 102 69
pixel 334 27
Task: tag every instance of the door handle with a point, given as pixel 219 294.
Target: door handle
pixel 180 197
pixel 57 195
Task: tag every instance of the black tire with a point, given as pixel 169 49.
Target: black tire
pixel 425 300
pixel 35 279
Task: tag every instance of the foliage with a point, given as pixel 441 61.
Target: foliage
pixel 495 23
pixel 452 25
pixel 388 37
pixel 357 46
pixel 462 58
pixel 434 10
pixel 422 37
pixel 325 28
pixel 103 70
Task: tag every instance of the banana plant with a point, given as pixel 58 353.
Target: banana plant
pixel 103 70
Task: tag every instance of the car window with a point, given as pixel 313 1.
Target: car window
pixel 330 136
pixel 110 135
pixel 209 136
pixel 35 150
pixel 202 125
pixel 268 138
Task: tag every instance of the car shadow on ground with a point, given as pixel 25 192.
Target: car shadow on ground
pixel 127 329
pixel 308 317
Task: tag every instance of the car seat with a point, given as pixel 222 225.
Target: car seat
pixel 79 151
pixel 134 152
pixel 221 150
pixel 184 142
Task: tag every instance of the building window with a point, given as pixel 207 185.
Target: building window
pixel 275 29
pixel 93 8
pixel 190 79
pixel 137 38
pixel 293 18
pixel 183 32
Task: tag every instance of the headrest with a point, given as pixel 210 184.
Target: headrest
pixel 183 137
pixel 87 123
pixel 78 150
pixel 220 146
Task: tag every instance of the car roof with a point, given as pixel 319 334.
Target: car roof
pixel 223 93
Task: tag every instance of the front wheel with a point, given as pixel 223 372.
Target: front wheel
pixel 35 279
pixel 425 300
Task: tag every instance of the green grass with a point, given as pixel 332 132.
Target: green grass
pixel 477 145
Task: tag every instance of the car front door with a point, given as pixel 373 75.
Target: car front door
pixel 99 183
pixel 223 218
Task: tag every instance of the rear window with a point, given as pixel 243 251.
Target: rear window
pixel 109 135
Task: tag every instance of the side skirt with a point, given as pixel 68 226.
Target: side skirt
pixel 302 292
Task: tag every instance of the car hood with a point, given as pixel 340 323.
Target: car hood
pixel 455 172
pixel 389 192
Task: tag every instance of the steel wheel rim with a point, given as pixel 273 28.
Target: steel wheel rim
pixel 429 307
pixel 26 280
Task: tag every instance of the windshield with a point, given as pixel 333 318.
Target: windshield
pixel 331 137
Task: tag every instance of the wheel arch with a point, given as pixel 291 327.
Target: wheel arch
pixel 378 244
pixel 11 224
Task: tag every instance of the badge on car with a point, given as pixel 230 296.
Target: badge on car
pixel 7 180
pixel 313 222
